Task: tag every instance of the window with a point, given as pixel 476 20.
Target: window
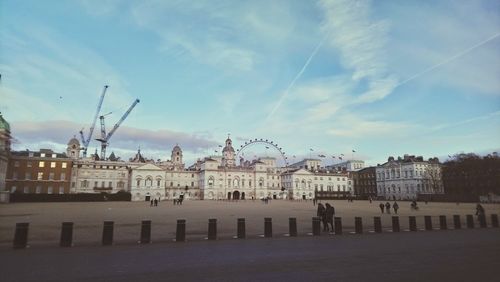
pixel 96 184
pixel 63 176
pixel 103 184
pixel 51 176
pixel 40 176
pixel 16 164
pixel 29 164
pixel 26 189
pixel 52 164
pixel 28 176
pixel 54 156
pixel 41 164
pixel 42 155
pixel 73 184
pixel 138 182
pixel 38 189
pixel 13 189
pixel 110 184
pixel 158 182
pixel 50 190
pixel 61 190
pixel 14 175
pixel 192 184
pixel 63 165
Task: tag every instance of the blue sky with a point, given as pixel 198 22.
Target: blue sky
pixel 380 77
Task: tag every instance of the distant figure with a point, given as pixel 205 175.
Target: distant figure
pixel 370 199
pixel 151 203
pixel 321 213
pixel 381 207
pixel 395 206
pixel 330 213
pixel 479 210
pixel 156 202
pixel 314 202
pixel 414 206
pixel 388 208
pixel 175 202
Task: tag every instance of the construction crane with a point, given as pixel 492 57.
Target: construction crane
pixel 86 141
pixel 106 136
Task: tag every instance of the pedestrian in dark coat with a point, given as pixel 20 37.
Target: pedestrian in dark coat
pixel 388 208
pixel 321 213
pixel 330 213
pixel 395 206
pixel 151 203
pixel 381 206
pixel 156 202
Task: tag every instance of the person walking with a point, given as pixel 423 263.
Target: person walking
pixel 321 213
pixel 330 213
pixel 151 204
pixel 388 208
pixel 156 202
pixel 479 210
pixel 381 206
pixel 395 206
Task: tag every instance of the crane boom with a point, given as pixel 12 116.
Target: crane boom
pixel 106 136
pixel 122 119
pixel 99 105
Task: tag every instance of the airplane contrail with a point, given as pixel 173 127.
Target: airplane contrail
pixel 454 57
pixel 283 96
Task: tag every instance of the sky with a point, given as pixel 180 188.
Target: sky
pixel 381 78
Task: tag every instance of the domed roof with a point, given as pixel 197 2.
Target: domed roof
pixel 228 148
pixel 4 124
pixel 74 141
pixel 176 148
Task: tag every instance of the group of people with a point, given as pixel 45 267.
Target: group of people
pixel 326 214
pixel 154 202
pixel 178 201
pixel 387 207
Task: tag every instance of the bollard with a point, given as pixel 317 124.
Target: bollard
pixel 268 227
pixel 107 233
pixel 457 224
pixel 21 235
pixel 413 223
pixel 145 232
pixel 358 225
pixel 66 234
pixel 428 222
pixel 338 226
pixel 180 233
pixel 395 224
pixel 292 227
pixel 241 228
pixel 482 221
pixel 377 223
pixel 494 220
pixel 442 222
pixel 212 229
pixel 316 226
pixel 470 221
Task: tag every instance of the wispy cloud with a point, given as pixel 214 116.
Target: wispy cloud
pixel 360 41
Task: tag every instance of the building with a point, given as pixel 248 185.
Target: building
pixel 350 165
pixel 303 184
pixel 221 178
pixel 408 178
pixel 43 172
pixel 4 150
pixel 307 164
pixel 365 183
pixel 92 175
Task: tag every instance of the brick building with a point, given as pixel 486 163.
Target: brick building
pixel 365 183
pixel 43 172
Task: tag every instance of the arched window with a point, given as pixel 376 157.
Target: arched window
pixel 138 182
pixel 261 182
pixel 236 183
pixel 149 182
pixel 303 184
pixel 211 181
pixel 158 182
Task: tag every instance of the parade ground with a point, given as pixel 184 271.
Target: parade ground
pixel 45 218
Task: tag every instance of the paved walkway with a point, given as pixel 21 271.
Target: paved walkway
pixel 458 255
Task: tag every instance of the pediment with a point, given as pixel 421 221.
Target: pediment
pixel 148 167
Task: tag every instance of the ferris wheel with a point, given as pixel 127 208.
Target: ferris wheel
pixel 268 143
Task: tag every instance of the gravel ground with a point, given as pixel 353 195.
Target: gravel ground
pixel 45 218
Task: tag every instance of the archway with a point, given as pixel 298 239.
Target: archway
pixel 229 195
pixel 243 195
pixel 236 195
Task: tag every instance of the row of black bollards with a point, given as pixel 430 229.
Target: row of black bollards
pixel 66 240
